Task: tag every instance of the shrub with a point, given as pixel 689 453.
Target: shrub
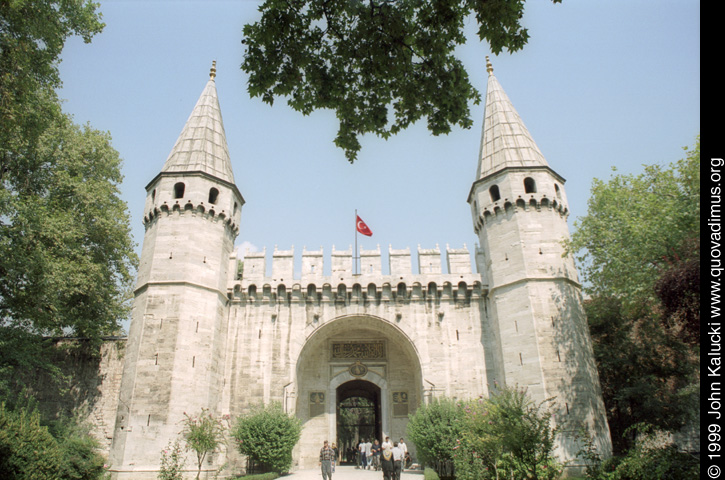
pixel 172 462
pixel 506 433
pixel 430 474
pixel 27 450
pixel 79 450
pixel 434 429
pixel 651 459
pixel 267 435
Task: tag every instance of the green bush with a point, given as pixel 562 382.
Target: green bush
pixel 78 450
pixel 80 460
pixel 27 450
pixel 434 429
pixel 430 474
pixel 650 459
pixel 267 435
pixel 506 435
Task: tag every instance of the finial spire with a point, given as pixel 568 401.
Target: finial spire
pixel 212 72
pixel 489 67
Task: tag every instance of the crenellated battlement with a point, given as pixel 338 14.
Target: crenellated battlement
pixel 343 283
pixel 505 206
pixel 200 210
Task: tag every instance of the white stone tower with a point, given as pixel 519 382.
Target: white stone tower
pixel 176 348
pixel 519 210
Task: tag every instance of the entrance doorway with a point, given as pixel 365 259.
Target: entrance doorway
pixel 358 416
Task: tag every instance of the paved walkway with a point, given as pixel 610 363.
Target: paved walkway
pixel 349 472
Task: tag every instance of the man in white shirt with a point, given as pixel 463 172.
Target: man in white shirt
pixel 369 454
pixel 387 444
pixel 397 461
pixel 361 454
pixel 404 448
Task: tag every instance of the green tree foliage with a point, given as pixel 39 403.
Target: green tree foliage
pixel 79 450
pixel 267 435
pixel 66 253
pixel 435 428
pixel 32 35
pixel 203 435
pixel 638 228
pixel 380 64
pixel 639 247
pixel 647 374
pixel 30 450
pixel 507 436
pixel 27 450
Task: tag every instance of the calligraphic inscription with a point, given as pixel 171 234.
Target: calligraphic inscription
pixel 359 350
pixel 400 404
pixel 317 403
pixel 357 369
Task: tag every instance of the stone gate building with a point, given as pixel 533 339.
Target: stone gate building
pixel 204 337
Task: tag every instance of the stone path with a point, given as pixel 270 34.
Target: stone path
pixel 349 472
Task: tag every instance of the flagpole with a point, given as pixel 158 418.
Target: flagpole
pixel 354 254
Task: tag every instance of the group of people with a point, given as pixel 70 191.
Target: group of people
pixel 389 457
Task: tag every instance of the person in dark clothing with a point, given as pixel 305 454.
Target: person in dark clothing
pixel 376 450
pixel 386 462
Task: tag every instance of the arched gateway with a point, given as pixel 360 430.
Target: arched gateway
pixel 358 377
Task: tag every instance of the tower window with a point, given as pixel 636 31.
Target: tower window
pixel 529 185
pixel 179 190
pixel 235 209
pixel 558 191
pixel 213 195
pixel 153 196
pixel 495 194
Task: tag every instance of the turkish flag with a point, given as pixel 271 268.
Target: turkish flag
pixel 362 228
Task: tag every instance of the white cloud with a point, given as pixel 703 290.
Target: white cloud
pixel 245 247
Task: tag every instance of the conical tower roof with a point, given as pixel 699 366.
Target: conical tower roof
pixel 202 144
pixel 505 141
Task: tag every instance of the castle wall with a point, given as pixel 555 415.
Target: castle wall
pixel 281 331
pixel 93 384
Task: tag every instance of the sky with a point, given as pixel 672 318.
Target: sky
pixel 600 85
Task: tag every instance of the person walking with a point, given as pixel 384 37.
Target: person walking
pixel 369 454
pixel 337 456
pixel 404 448
pixel 361 454
pixel 386 462
pixel 397 461
pixel 327 457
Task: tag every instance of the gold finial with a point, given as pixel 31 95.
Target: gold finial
pixel 489 67
pixel 212 72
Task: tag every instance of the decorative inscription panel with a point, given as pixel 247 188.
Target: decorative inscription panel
pixel 400 404
pixel 371 350
pixel 317 403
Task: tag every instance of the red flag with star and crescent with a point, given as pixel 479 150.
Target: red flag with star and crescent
pixel 363 228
